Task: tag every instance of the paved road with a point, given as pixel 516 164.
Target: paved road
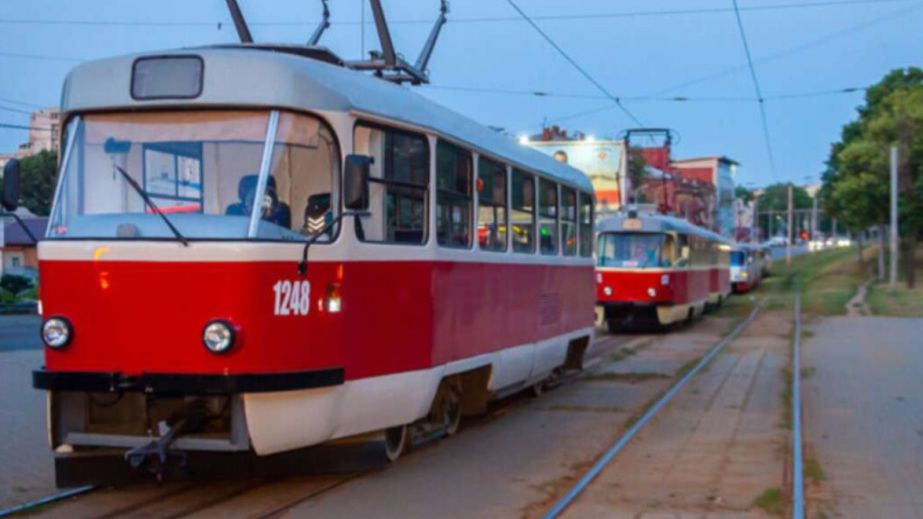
pixel 19 332
pixel 778 253
pixel 862 412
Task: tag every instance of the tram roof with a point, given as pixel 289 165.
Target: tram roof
pixel 235 75
pixel 656 223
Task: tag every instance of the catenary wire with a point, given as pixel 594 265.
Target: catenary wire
pixel 220 24
pixel 576 65
pixel 758 90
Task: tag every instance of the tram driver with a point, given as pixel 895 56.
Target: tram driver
pixel 273 210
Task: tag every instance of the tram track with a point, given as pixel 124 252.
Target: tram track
pixel 797 441
pixel 603 461
pixel 268 497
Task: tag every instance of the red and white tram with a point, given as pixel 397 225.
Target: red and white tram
pixel 748 264
pixel 182 306
pixel 657 269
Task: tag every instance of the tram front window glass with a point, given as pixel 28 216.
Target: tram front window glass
pixel 398 189
pixel 631 250
pixel 491 188
pixel 523 212
pixel 200 168
pixel 299 197
pixel 453 195
pixel 738 258
pixel 548 216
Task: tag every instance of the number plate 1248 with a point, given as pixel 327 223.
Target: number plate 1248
pixel 292 297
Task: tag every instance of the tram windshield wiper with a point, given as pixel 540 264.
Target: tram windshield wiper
pixel 150 203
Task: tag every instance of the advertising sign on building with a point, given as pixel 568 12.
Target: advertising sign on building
pixel 601 161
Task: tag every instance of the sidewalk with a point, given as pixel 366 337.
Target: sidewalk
pixel 863 395
pixel 26 465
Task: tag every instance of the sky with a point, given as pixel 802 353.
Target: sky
pixel 488 62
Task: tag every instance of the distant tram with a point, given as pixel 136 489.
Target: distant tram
pixel 254 249
pixel 653 269
pixel 749 264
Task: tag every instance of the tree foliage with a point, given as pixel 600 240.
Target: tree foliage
pixel 39 176
pixel 743 193
pixel 857 179
pixel 14 284
pixel 775 198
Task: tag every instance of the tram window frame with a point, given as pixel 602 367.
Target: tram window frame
pixel 450 197
pixel 531 247
pixel 585 225
pixel 503 170
pixel 548 216
pixel 571 220
pixel 398 184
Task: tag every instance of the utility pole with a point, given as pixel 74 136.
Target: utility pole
pixel 788 244
pixel 892 284
pixel 814 221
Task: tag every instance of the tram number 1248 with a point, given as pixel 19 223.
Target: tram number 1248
pixel 292 297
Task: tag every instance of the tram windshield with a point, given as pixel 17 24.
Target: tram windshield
pixel 633 250
pixel 204 170
pixel 738 258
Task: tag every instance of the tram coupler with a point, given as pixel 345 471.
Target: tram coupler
pixel 159 450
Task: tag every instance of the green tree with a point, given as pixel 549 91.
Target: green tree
pixel 856 183
pixel 744 194
pixel 14 284
pixel 775 198
pixel 39 176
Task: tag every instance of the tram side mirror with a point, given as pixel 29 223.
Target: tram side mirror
pixel 356 182
pixel 11 187
pixel 116 147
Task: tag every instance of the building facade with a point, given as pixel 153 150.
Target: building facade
pixel 719 171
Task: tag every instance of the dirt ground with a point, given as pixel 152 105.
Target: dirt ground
pixel 717 447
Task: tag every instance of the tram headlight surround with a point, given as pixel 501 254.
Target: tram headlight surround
pixel 57 332
pixel 218 336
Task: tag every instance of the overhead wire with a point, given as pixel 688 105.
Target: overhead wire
pixel 759 91
pixel 576 65
pixel 219 24
pixel 23 127
pixel 762 60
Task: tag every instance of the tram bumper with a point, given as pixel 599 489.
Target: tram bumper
pixel 89 411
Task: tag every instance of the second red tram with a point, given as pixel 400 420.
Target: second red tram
pixel 657 269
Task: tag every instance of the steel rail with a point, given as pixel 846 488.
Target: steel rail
pixel 6 512
pixel 797 445
pixel 607 457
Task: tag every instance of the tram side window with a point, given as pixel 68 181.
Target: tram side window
pixel 586 225
pixel 453 195
pixel 299 197
pixel 523 212
pixel 492 212
pixel 548 216
pixel 569 221
pixel 398 190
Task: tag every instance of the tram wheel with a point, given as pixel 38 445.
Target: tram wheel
pixel 612 325
pixel 397 439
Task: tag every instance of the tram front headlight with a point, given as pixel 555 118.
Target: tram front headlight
pixel 652 292
pixel 57 332
pixel 218 336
